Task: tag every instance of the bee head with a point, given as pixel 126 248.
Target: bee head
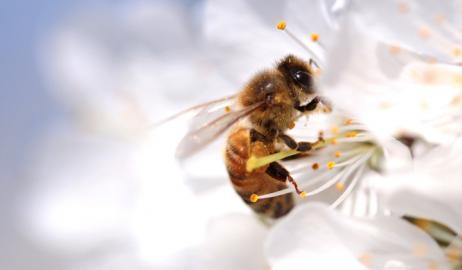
pixel 297 74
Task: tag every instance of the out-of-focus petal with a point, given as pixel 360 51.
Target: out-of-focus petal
pixel 243 38
pixel 429 27
pixel 82 192
pixel 387 99
pixel 313 236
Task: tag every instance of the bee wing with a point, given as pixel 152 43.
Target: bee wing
pixel 196 139
pixel 201 109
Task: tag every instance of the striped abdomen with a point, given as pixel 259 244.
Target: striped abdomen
pixel 238 149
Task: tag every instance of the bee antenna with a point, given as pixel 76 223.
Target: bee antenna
pixel 315 43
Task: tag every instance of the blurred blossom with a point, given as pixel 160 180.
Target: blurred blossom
pixel 109 194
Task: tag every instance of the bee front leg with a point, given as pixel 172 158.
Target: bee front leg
pixel 313 104
pixel 292 144
pixel 278 172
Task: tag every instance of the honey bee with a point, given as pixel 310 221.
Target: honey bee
pixel 267 107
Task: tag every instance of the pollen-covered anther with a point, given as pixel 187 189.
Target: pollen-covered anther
pixel 333 141
pixel 457 52
pixel 432 265
pixel 424 33
pixel 254 198
pixel 227 109
pixel 334 130
pixel 351 134
pixel 403 7
pixel 314 37
pixel 315 166
pixel 365 259
pixel 340 186
pixel 439 18
pixel 302 194
pixel 331 165
pixel 348 121
pixel 291 125
pixel 281 25
pixel 338 154
pixel 394 49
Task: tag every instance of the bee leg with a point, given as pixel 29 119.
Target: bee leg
pixel 278 172
pixel 292 144
pixel 257 136
pixel 311 106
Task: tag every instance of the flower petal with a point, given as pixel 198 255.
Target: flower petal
pixel 316 237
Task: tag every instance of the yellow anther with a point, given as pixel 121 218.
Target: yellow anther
pixel 351 134
pixel 338 154
pixel 439 18
pixel 281 25
pixel 453 254
pixel 340 186
pixel 432 265
pixel 254 198
pixel 457 52
pixel 227 109
pixel 331 165
pixel 424 32
pixel 315 166
pixel 314 37
pixel 348 121
pixel 334 130
pixel 302 194
pixel 394 49
pixel 403 7
pixel 292 125
pixel 333 141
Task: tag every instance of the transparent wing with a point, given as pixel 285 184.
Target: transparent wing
pixel 202 110
pixel 203 134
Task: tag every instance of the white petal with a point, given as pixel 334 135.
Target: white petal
pixel 312 236
pixel 235 242
pixel 407 23
pixel 423 195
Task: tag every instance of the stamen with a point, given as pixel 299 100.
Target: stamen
pixel 338 154
pixel 315 166
pixel 334 130
pixel 281 25
pixel 330 165
pixel 365 259
pixel 254 198
pixel 351 134
pixel 355 180
pixel 457 52
pixel 340 186
pixel 424 32
pixel 314 37
pixel 348 121
pixel 432 265
pixel 303 194
pixel 227 109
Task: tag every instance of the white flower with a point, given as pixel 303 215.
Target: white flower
pixel 314 236
pixel 163 223
pixel 428 27
pixel 391 90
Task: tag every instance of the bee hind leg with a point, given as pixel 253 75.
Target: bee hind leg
pixel 278 172
pixel 292 144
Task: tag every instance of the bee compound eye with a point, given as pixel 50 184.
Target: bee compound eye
pixel 302 77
